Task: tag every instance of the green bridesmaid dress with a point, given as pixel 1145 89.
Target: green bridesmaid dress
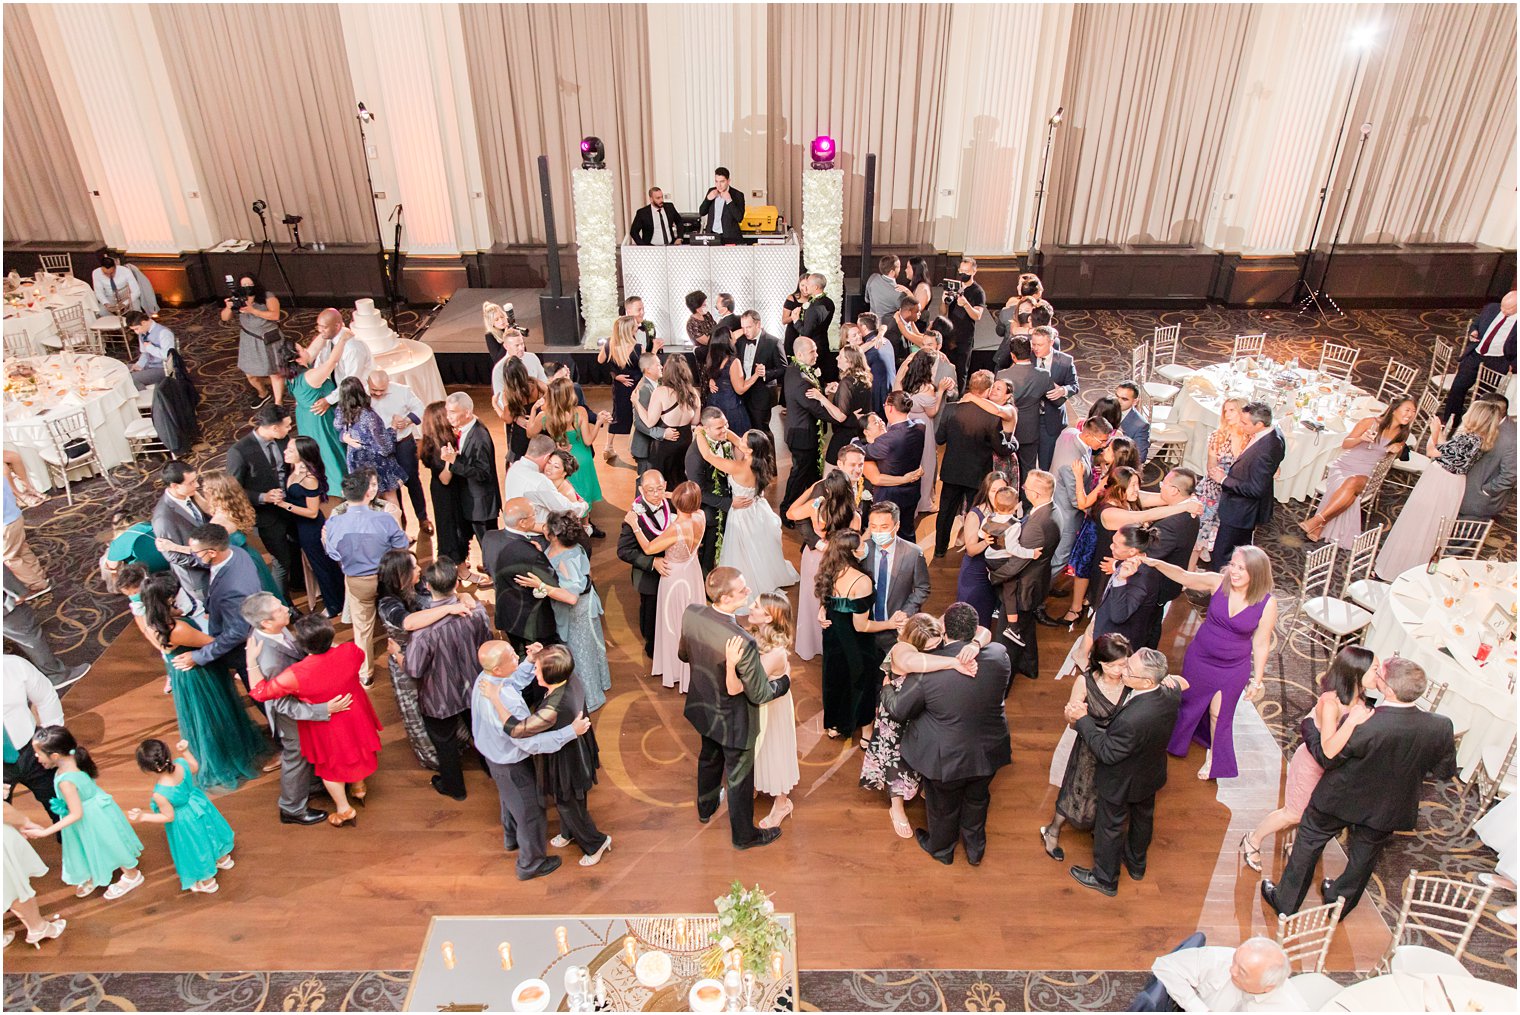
pixel 198 835
pixel 320 429
pixel 101 842
pixel 215 724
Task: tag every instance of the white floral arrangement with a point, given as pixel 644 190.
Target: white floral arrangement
pixel 596 250
pixel 746 923
pixel 823 234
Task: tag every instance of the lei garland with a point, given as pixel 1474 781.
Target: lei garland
pixel 810 374
pixel 724 450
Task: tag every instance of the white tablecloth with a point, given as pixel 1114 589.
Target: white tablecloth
pixel 1335 405
pixel 109 402
pixel 1407 992
pixel 412 363
pixel 1416 623
pixel 37 323
pixel 758 277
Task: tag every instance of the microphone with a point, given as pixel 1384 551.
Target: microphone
pixel 1058 114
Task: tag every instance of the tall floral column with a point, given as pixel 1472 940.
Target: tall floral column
pixel 596 250
pixel 823 234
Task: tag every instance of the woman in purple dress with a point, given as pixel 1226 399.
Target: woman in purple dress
pixel 1228 656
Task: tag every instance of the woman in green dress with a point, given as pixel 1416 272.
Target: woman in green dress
pixel 210 716
pixel 97 838
pixel 225 503
pixel 562 418
pixel 200 840
pixel 312 384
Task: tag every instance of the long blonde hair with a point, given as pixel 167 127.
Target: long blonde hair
pixel 226 496
pixel 624 336
pixel 488 312
pixel 778 632
pixel 559 409
pixel 1483 419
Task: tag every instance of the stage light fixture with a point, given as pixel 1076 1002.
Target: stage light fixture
pixel 824 152
pixel 1363 37
pixel 593 153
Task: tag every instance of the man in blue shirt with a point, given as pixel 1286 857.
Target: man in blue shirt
pixel 496 704
pixel 154 343
pixel 357 536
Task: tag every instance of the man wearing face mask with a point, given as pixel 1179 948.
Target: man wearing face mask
pixel 965 309
pixel 899 571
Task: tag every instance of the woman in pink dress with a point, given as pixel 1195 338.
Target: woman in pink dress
pixel 828 505
pixel 1340 688
pixel 1339 518
pixel 680 585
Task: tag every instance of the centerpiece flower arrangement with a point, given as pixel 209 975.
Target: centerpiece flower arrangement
pixel 20 380
pixel 747 923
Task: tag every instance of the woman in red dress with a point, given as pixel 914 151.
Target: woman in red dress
pixel 345 749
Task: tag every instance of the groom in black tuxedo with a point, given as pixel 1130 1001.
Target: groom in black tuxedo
pixel 755 348
pixel 512 552
pixel 1371 787
pixel 729 724
pixel 257 462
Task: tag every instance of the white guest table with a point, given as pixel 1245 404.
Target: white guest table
pixel 1296 397
pixel 412 363
pixel 1407 992
pixel 1415 622
pixel 760 277
pixel 36 321
pixel 109 402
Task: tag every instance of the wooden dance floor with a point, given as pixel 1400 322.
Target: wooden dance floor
pixel 360 898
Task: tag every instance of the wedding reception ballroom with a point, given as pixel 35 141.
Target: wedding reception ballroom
pixel 546 422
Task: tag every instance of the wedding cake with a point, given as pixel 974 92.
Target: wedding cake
pixel 370 328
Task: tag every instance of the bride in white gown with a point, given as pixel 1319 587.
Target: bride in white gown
pixel 752 533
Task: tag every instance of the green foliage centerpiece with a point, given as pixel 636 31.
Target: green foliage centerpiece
pixel 746 923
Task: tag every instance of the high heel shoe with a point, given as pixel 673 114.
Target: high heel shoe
pixel 53 928
pixel 1056 852
pixel 340 818
pixel 591 860
pixel 357 792
pixel 1250 855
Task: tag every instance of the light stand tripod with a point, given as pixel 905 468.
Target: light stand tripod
pixel 1356 165
pixel 1036 259
pixel 364 117
pixel 266 245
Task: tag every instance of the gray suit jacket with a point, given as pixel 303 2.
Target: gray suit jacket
pixel 643 438
pixel 274 659
pixel 908 586
pixel 173 522
pixel 1491 480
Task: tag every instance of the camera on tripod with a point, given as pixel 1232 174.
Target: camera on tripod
pixel 239 293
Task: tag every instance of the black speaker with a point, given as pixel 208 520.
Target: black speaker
pixel 854 306
pixel 560 319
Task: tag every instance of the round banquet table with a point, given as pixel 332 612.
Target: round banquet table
pixel 413 364
pixel 109 402
pixel 1415 622
pixel 1302 395
pixel 1408 992
pixel 36 322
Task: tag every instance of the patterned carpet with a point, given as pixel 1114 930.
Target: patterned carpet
pixel 84 618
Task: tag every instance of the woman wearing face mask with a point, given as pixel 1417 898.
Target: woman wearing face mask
pixel 851 660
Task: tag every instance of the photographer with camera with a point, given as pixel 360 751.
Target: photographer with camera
pixel 965 303
pixel 261 347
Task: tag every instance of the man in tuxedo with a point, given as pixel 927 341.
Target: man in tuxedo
pixel 956 737
pixel 1131 597
pixel 1025 581
pixel 816 318
pixel 1246 497
pixel 653 512
pixel 513 552
pixel 894 457
pixel 657 223
pixel 759 352
pixel 717 494
pixel 1490 343
pixel 175 514
pixel 897 568
pixel 729 724
pixel 1174 539
pixel 474 463
pixel 1491 480
pixel 1063 386
pixel 970 435
pixel 1027 385
pixel 233 579
pixel 1131 770
pixel 807 410
pixel 257 462
pixel 723 208
pixel 1372 786
pixel 1132 424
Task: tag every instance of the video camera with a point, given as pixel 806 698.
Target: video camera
pixel 953 289
pixel 239 293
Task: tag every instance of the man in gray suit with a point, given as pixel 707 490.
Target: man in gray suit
pixel 1491 480
pixel 1075 445
pixel 641 445
pixel 270 651
pixel 175 514
pixel 898 569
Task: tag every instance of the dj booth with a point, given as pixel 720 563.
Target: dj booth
pixel 759 277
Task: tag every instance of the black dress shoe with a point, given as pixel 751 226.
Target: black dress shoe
pixel 974 859
pixel 310 816
pixel 437 782
pixel 549 866
pixel 1326 892
pixel 765 838
pixel 1134 875
pixel 597 533
pixel 510 847
pixel 1269 895
pixel 1085 877
pixel 704 818
pixel 922 835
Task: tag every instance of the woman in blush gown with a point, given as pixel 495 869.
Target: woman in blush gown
pixel 1227 658
pixel 826 507
pixel 1339 518
pixel 681 585
pixel 928 394
pixel 751 534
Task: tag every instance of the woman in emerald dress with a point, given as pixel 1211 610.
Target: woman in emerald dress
pixel 312 384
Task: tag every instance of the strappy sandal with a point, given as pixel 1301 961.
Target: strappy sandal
pixel 1250 855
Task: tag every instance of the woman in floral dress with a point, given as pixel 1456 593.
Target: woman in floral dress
pixel 1225 445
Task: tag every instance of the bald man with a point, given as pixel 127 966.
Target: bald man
pixel 1490 343
pixel 517 551
pixel 1253 977
pixel 355 361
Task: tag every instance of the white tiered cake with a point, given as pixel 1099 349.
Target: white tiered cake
pixel 370 328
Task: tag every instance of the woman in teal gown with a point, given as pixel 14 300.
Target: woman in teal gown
pixel 577 607
pixel 200 840
pixel 313 384
pixel 573 429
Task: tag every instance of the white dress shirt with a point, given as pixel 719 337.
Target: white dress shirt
pixel 525 480
pixel 399 400
pixel 1198 979
pixel 1491 342
pixel 715 219
pixel 659 235
pixel 25 689
pixel 111 290
pixel 154 347
pixel 355 361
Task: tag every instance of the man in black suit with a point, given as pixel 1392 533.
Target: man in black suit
pixel 894 457
pixel 475 464
pixel 233 579
pixel 652 510
pixel 1025 581
pixel 723 208
pixel 970 435
pixel 717 494
pixel 1131 597
pixel 1372 786
pixel 1246 496
pixel 807 410
pixel 1063 386
pixel 956 737
pixel 1175 537
pixel 1027 386
pixel 514 552
pixel 901 330
pixel 1490 343
pixel 257 462
pixel 728 321
pixel 657 223
pixel 175 514
pixel 817 316
pixel 897 568
pixel 729 724
pixel 1131 770
pixel 759 352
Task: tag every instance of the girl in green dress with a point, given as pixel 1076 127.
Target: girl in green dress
pixel 200 840
pixel 312 385
pixel 562 418
pixel 97 838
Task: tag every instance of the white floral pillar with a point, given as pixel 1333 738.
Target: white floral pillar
pixel 596 250
pixel 823 234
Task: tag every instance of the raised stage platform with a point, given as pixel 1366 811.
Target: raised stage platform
pixel 457 336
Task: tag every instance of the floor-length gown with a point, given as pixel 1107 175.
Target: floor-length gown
pixel 752 543
pixel 198 835
pixel 1437 496
pixel 1343 529
pixel 580 626
pixel 1208 494
pixel 851 666
pixel 972 584
pixel 213 721
pixel 622 394
pixel 809 641
pixel 584 481
pixel 1217 662
pixel 1077 801
pixel 22 864
pixel 320 429
pixel 102 841
pixel 776 767
pixel 922 402
pixel 309 534
pixel 680 588
pixel 266 576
